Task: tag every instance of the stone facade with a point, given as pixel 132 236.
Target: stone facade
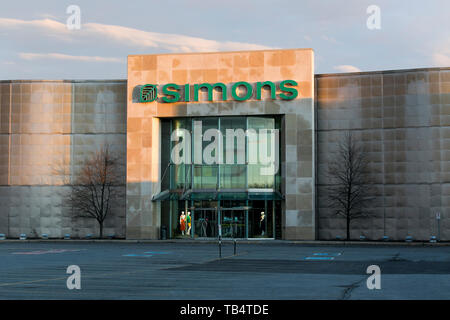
pixel 297 141
pixel 47 129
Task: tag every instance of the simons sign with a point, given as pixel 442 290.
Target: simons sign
pixel 172 92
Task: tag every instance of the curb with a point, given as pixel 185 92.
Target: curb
pixel 230 241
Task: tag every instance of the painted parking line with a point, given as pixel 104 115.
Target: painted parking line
pixel 323 256
pixel 145 254
pixel 137 255
pixel 319 258
pixel 46 251
pixel 156 252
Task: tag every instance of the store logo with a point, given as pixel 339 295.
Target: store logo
pixel 172 92
pixel 148 93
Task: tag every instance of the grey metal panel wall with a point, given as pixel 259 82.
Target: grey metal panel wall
pixel 52 127
pixel 402 118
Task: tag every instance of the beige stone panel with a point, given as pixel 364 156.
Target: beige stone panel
pixel 180 76
pixel 225 60
pixel 272 58
pixel 180 63
pixel 164 76
pixel 211 59
pixel 256 59
pixel 225 75
pixel 135 63
pixel 164 61
pixel 195 76
pixel 304 65
pixel 288 58
pixel 155 151
pixel 305 89
pixel 134 124
pixel 256 74
pixel 210 75
pixel 149 77
pixel 143 110
pixel 148 62
pixel 287 72
pixel 240 60
pixel 134 140
pixel 241 74
pixel 273 73
pixel 133 171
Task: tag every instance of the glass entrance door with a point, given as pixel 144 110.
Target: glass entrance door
pixel 238 219
pixel 233 223
pixel 260 218
pixel 205 221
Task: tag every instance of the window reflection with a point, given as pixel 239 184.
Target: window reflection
pixel 238 173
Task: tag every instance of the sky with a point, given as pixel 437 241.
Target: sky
pixel 36 43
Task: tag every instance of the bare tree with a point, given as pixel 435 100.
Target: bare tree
pixel 349 193
pixel 95 186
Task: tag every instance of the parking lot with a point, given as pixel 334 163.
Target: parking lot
pixel 184 270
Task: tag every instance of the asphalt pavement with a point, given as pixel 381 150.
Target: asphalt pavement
pixel 194 271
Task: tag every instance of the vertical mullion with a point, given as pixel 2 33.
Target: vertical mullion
pixel 246 219
pixel 220 153
pixel 273 218
pixel 246 154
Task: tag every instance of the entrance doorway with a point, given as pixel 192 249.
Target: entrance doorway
pixel 261 219
pixel 239 219
pixel 233 223
pixel 205 223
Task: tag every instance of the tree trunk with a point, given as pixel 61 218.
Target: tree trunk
pixel 101 229
pixel 348 228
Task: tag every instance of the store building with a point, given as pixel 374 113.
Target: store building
pixel 233 195
pixel 224 137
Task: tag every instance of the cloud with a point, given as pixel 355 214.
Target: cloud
pixel 60 56
pixel 47 16
pixel 346 68
pixel 441 59
pixel 45 24
pixel 126 36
